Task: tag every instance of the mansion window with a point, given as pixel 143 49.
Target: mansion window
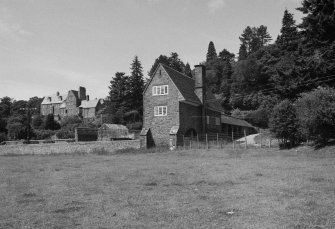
pixel 160 110
pixel 160 90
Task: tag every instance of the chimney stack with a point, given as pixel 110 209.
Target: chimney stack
pixel 87 97
pixel 57 93
pixel 200 82
pixel 82 93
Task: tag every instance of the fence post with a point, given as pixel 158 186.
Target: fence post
pixel 198 141
pixel 245 139
pixel 206 141
pixel 270 142
pixel 260 137
pixel 184 141
pixel 217 140
pixel 232 137
pixel 191 142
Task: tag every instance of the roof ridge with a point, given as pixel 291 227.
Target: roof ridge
pixel 164 65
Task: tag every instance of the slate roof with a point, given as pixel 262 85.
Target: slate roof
pixel 184 84
pixel 113 126
pixel 54 99
pixel 234 121
pixel 89 104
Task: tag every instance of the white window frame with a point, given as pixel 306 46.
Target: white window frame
pixel 160 90
pixel 160 111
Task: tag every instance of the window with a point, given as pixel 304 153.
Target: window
pixel 217 121
pixel 160 90
pixel 160 110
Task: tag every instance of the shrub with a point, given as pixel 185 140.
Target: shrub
pixel 3 137
pixel 258 118
pixel 50 123
pixel 65 134
pixel 316 113
pixel 43 134
pixel 70 121
pixel 284 124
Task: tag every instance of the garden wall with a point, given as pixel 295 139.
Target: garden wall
pixel 67 148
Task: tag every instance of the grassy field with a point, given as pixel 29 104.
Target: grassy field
pixel 263 188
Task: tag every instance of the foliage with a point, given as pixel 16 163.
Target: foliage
pixel 5 107
pixel 50 123
pixel 3 137
pixel 3 124
pixel 211 53
pixel 316 113
pixel 43 134
pixel 37 122
pixel 172 61
pixel 284 124
pixel 70 120
pixel 65 134
pixel 258 118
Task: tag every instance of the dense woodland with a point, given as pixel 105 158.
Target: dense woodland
pixel 271 82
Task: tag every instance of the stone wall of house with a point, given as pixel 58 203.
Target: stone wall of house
pixel 72 104
pixel 190 118
pixel 212 127
pixel 160 125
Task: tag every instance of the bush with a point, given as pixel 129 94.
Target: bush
pixel 43 134
pixel 258 118
pixel 65 134
pixel 50 123
pixel 3 137
pixel 284 124
pixel 70 121
pixel 316 113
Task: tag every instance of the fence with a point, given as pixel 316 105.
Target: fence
pixel 221 140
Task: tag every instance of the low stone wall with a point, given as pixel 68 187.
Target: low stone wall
pixel 67 148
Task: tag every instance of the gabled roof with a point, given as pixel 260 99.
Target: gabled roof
pixel 89 104
pixel 113 126
pixel 52 99
pixel 184 84
pixel 235 121
pixel 76 94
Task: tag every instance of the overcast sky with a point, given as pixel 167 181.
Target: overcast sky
pixel 58 45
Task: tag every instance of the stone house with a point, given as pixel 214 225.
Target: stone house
pixel 89 108
pixel 68 104
pixel 175 104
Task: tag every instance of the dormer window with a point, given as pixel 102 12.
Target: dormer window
pixel 49 99
pixel 160 90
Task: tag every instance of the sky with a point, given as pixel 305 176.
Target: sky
pixel 58 45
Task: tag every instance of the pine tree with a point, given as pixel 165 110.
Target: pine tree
pixel 136 86
pixel 162 59
pixel 289 33
pixel 176 63
pixel 242 53
pixel 263 35
pixel 118 93
pixel 211 53
pixel 188 70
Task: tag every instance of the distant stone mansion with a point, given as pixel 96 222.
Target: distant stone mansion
pixel 74 103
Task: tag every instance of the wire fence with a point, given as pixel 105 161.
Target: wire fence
pixel 221 140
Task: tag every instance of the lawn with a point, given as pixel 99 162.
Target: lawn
pixel 255 188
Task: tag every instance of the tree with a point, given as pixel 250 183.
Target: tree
pixel 284 124
pixel 176 63
pixel 161 59
pixel 316 114
pixel 118 92
pixel 188 70
pixel 35 103
pixel 136 86
pixel 50 123
pixel 37 122
pixel 289 32
pixel 242 53
pixel 211 52
pixel 5 106
pixel 263 35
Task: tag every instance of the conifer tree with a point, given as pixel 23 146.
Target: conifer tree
pixel 211 53
pixel 242 53
pixel 136 86
pixel 289 33
pixel 188 70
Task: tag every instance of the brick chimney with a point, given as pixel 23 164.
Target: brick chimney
pixel 200 91
pixel 87 97
pixel 200 82
pixel 57 93
pixel 82 93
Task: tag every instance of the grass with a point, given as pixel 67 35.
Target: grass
pixel 255 188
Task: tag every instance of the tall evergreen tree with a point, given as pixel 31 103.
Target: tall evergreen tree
pixel 289 33
pixel 211 53
pixel 118 93
pixel 176 63
pixel 242 53
pixel 136 85
pixel 188 70
pixel 161 59
pixel 263 35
